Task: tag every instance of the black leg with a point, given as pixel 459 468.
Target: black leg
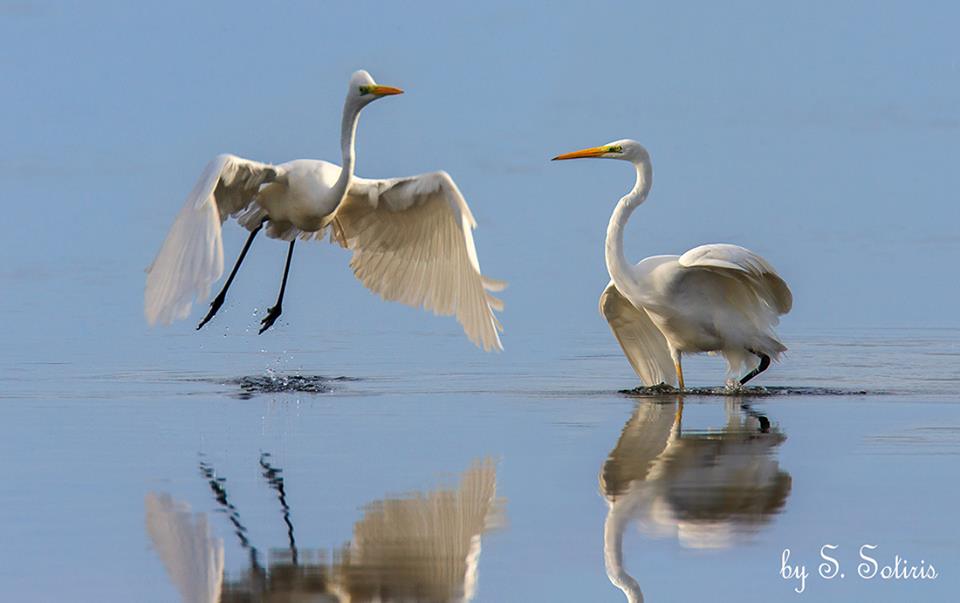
pixel 274 313
pixel 764 363
pixel 218 300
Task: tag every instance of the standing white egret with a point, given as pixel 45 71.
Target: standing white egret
pixel 411 237
pixel 714 298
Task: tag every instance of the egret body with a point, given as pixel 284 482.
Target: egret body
pixel 714 298
pixel 411 237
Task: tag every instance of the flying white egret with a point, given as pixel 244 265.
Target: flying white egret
pixel 411 237
pixel 714 298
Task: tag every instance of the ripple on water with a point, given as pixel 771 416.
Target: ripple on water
pixel 757 391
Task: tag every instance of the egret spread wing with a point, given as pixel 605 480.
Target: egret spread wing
pixel 641 340
pixel 191 257
pixel 412 242
pixel 746 266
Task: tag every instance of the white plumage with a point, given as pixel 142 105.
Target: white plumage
pixel 412 242
pixel 191 257
pixel 411 237
pixel 641 340
pixel 714 298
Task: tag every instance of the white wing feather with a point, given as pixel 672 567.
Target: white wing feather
pixel 192 556
pixel 412 242
pixel 191 257
pixel 641 340
pixel 745 265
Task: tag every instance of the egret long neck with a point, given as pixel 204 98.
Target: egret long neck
pixel 617 265
pixel 348 135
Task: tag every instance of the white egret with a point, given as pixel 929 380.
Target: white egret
pixel 411 237
pixel 714 298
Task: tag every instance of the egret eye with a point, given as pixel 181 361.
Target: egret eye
pixel 615 149
pixel 364 90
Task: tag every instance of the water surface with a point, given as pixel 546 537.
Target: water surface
pixel 367 472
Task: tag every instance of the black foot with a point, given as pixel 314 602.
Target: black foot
pixel 272 315
pixel 214 307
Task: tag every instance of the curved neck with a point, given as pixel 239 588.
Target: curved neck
pixel 348 135
pixel 617 264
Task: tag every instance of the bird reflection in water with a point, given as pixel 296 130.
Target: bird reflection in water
pixel 420 547
pixel 707 488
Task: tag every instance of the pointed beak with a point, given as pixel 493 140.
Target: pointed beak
pixel 591 152
pixel 385 90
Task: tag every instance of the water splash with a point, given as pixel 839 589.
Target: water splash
pixel 273 382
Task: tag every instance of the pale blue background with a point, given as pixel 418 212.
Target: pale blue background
pixel 823 136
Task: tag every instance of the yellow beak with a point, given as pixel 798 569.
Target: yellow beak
pixel 385 90
pixel 591 152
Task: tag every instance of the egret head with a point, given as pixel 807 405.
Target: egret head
pixel 626 150
pixel 364 90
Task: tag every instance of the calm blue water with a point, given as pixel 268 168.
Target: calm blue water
pixel 699 504
pixel 823 136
